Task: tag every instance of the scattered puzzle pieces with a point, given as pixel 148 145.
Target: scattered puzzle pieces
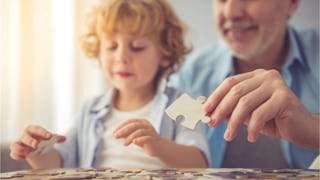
pixel 165 173
pixel 190 109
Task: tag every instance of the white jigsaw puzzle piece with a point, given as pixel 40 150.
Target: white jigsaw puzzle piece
pixel 190 108
pixel 44 146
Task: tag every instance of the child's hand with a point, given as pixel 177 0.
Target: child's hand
pixel 141 133
pixel 29 140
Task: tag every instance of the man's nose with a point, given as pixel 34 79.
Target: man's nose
pixel 234 9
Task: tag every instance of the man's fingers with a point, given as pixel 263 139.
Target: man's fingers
pixel 243 110
pixel 236 95
pixel 232 130
pixel 215 98
pixel 248 103
pixel 260 116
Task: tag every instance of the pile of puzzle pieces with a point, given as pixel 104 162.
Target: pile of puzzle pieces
pixel 169 173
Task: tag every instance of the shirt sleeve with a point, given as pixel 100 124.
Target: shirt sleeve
pixel 68 150
pixel 196 138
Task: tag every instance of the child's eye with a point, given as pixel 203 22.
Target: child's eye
pixel 109 45
pixel 112 47
pixel 137 49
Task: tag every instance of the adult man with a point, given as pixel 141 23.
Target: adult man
pixel 269 76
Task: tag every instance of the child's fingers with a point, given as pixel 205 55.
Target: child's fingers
pixel 147 144
pixel 17 156
pixel 29 141
pixel 126 130
pixel 62 139
pixel 18 151
pixel 33 134
pixel 38 131
pixel 136 134
pixel 125 124
pixel 129 128
pixel 142 140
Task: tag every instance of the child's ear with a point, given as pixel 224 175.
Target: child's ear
pixel 165 63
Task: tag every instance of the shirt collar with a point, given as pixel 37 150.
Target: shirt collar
pixel 294 52
pixel 294 55
pixel 227 68
pixel 106 100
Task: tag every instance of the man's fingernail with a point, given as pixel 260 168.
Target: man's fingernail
pixel 207 106
pixel 252 138
pixel 227 135
pixel 212 123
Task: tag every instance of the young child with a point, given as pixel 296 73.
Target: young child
pixel 137 43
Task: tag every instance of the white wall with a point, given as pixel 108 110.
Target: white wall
pixel 199 17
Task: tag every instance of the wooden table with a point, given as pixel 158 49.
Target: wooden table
pixel 166 174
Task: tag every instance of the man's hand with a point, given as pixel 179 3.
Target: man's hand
pixel 262 100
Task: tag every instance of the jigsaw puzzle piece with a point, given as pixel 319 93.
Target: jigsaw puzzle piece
pixel 44 146
pixel 190 108
pixel 202 100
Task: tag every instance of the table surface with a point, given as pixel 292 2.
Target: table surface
pixel 159 174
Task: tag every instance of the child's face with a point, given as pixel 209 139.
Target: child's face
pixel 130 62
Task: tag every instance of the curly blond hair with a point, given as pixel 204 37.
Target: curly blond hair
pixel 154 18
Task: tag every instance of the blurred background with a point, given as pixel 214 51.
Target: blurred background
pixel 44 76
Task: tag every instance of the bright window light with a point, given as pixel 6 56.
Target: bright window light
pixel 63 62
pixel 9 57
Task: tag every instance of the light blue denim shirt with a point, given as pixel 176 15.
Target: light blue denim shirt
pixel 84 140
pixel 206 69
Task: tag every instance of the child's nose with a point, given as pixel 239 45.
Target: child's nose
pixel 123 55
